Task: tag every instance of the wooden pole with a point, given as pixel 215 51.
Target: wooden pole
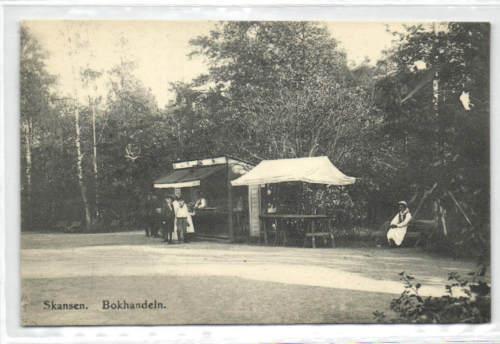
pixel 462 211
pixel 441 216
pixel 424 197
pixel 443 221
pixel 229 202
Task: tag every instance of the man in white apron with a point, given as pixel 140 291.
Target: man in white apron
pixel 399 225
pixel 181 220
pixel 190 226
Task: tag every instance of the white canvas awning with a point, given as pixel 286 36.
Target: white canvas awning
pixel 316 170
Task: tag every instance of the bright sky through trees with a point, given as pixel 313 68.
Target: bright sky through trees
pixel 160 48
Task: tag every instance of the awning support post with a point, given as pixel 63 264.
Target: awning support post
pixel 229 204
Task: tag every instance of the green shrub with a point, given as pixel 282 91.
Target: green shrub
pixel 467 300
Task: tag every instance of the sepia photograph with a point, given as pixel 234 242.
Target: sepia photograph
pixel 254 172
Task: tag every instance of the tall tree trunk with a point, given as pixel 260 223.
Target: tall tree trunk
pixel 75 43
pixel 436 92
pixel 79 166
pixel 27 131
pixel 180 146
pixel 94 162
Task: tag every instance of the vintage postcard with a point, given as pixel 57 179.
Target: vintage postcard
pixel 254 172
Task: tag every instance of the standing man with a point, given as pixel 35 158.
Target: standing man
pixel 167 219
pixel 175 204
pixel 181 219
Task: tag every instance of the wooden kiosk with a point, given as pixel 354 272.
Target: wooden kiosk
pixel 226 213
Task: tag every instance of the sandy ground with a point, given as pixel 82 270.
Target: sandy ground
pixel 215 283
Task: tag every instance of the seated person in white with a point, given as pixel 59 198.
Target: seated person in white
pixel 399 225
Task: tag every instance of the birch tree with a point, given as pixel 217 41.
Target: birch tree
pixel 35 83
pixel 75 43
pixel 90 80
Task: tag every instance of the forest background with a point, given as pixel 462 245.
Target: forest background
pixel 412 126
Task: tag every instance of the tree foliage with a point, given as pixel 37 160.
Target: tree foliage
pixel 280 90
pixel 287 86
pixel 442 139
pixel 37 118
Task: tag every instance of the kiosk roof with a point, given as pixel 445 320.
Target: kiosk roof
pixel 316 170
pixel 187 177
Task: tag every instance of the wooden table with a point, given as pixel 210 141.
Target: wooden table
pixel 312 219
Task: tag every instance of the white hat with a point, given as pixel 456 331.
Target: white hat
pixel 403 203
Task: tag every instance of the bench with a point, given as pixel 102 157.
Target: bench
pixel 324 235
pixel 417 231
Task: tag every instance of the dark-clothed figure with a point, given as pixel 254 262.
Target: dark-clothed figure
pixel 167 219
pixel 156 216
pixel 181 219
pixel 148 216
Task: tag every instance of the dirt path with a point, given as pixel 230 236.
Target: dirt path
pixel 216 283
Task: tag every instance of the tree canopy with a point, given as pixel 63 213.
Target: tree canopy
pixel 416 121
